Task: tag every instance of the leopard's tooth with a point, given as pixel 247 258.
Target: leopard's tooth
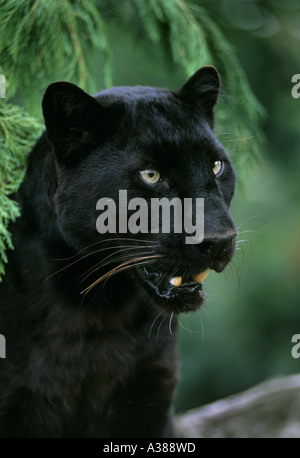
pixel 199 278
pixel 176 281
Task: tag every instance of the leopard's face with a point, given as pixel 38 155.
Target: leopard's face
pixel 121 152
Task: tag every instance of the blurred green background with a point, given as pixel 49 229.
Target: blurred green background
pixel 243 333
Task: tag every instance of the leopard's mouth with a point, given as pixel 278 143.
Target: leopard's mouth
pixel 176 293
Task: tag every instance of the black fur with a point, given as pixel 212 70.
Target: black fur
pixel 103 363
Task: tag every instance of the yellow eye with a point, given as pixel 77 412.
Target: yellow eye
pixel 218 167
pixel 150 176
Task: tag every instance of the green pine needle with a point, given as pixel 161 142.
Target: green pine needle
pixel 18 133
pixel 46 40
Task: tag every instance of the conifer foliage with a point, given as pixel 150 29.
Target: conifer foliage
pixel 18 132
pixel 42 41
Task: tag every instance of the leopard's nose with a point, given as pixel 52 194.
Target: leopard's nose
pixel 218 246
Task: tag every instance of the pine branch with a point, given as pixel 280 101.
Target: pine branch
pixel 18 133
pixel 40 42
pixel 44 41
pixel 243 137
pixel 186 38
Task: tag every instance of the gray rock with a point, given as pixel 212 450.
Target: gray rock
pixel 268 410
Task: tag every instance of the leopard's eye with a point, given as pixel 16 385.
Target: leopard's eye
pixel 218 168
pixel 150 176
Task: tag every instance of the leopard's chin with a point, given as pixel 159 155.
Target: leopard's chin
pixel 175 293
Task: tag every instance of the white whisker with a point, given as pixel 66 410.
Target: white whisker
pixel 170 323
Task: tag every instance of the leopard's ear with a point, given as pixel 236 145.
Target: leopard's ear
pixel 72 119
pixel 201 91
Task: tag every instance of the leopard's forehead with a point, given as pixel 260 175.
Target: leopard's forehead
pixel 144 103
pixel 158 111
pixel 133 94
pixel 160 121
